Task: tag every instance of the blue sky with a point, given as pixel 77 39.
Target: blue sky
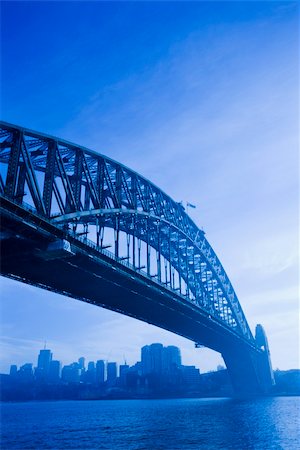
pixel 202 99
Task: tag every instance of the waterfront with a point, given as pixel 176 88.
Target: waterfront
pixel 265 423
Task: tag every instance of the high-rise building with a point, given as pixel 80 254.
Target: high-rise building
pixel 26 373
pixel 81 362
pixel 13 370
pixel 100 371
pixel 90 374
pixel 71 373
pixel 111 372
pixel 123 370
pixel 152 358
pixel 171 359
pixel 43 366
pixel 146 359
pixel 54 371
pixel 91 366
pixel 44 359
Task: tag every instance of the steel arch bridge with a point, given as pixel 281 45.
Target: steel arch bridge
pixel 78 223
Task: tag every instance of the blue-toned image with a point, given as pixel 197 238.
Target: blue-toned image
pixel 149 225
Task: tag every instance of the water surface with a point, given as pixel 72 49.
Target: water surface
pixel 267 423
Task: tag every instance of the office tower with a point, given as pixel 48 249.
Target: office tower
pixel 146 360
pixel 81 362
pixel 91 366
pixel 111 372
pixel 123 373
pixel 71 373
pixel 26 373
pixel 152 357
pixel 171 359
pixel 100 371
pixel 44 359
pixel 90 374
pixel 54 371
pixel 43 366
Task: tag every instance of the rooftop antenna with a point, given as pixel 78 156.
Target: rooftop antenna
pixel 45 343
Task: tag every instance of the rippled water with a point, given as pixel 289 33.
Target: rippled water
pixel 269 423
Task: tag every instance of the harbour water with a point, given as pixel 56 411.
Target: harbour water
pixel 265 423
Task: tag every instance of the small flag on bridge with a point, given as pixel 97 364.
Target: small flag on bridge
pixel 189 205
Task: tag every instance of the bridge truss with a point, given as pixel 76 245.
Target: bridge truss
pixel 106 205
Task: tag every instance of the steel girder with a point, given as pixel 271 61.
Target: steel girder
pixel 81 190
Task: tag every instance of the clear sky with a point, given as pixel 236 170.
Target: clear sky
pixel 202 99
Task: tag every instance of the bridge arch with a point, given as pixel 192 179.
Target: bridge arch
pixel 64 191
pixel 74 186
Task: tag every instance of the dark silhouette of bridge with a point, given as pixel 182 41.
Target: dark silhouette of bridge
pixel 80 224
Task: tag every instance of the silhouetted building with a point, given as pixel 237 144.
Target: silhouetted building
pixel 191 375
pixel 90 374
pixel 13 371
pixel 158 373
pixel 100 371
pixel 124 368
pixel 26 373
pixel 91 366
pixel 152 357
pixel 44 359
pixel 171 359
pixel 54 372
pixel 81 362
pixel 111 372
pixel 71 373
pixel 42 370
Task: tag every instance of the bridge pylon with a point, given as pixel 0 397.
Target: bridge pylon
pixel 250 371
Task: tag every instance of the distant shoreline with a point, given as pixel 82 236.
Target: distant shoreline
pixel 110 398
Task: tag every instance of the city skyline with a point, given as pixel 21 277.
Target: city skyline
pixel 155 359
pixel 45 357
pixel 159 372
pixel 207 113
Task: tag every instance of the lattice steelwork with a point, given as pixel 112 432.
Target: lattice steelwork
pixel 89 195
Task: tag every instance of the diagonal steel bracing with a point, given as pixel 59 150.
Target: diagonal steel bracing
pixel 88 194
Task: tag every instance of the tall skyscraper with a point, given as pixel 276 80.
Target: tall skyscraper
pixel 146 360
pixel 152 358
pixel 91 366
pixel 111 372
pixel 171 359
pixel 71 373
pixel 44 359
pixel 81 362
pixel 90 374
pixel 54 371
pixel 43 366
pixel 13 370
pixel 124 368
pixel 26 373
pixel 100 371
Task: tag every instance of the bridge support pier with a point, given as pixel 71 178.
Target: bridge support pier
pixel 250 372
